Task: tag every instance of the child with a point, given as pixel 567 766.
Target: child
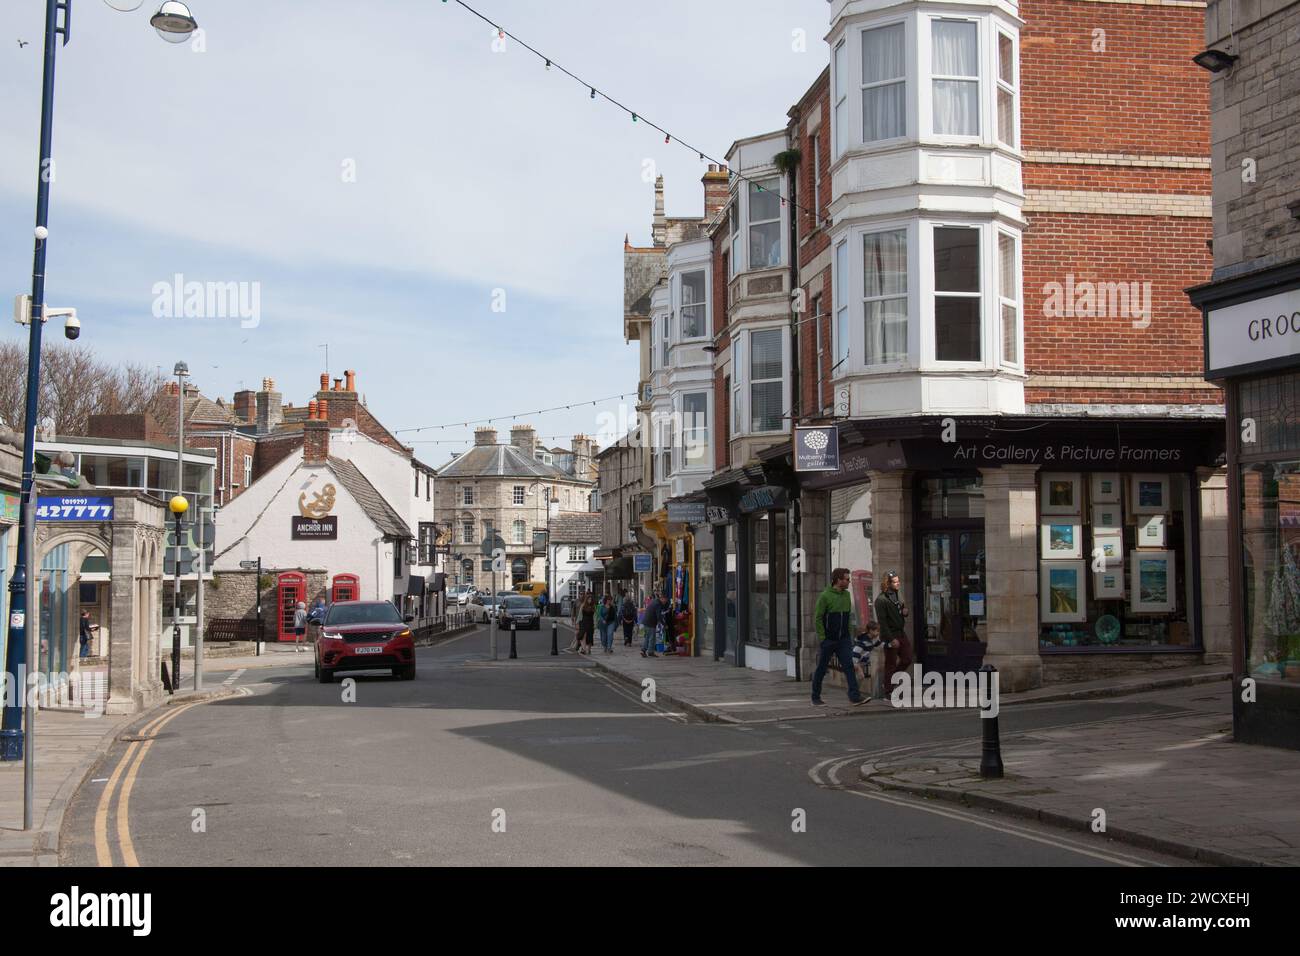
pixel 863 645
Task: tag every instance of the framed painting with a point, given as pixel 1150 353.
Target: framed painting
pixel 1061 596
pixel 1151 531
pixel 1108 585
pixel 1060 494
pixel 1107 518
pixel 1111 547
pixel 1150 494
pixel 1061 538
pixel 1105 488
pixel 1152 584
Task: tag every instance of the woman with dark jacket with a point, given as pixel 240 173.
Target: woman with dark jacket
pixel 586 625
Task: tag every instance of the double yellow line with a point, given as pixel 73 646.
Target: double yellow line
pixel 137 750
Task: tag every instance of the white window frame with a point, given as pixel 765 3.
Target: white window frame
pixel 861 237
pixel 466 530
pixel 737 385
pixel 1014 302
pixel 517 494
pixel 248 470
pixel 814 147
pixel 784 379
pixel 1011 88
pixel 692 430
pixel 860 37
pixel 467 494
pixel 750 223
pixel 702 306
pixel 519 531
pixel 733 261
pixel 985 293
pixel 841 282
pixel 666 337
pixel 577 553
pixel 981 61
pixel 841 115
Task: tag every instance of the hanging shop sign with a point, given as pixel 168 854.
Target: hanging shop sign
pixel 315 529
pixel 321 503
pixel 10 508
pixel 764 498
pixel 817 448
pixel 1253 336
pixel 642 563
pixel 687 512
pixel 74 509
pixel 716 514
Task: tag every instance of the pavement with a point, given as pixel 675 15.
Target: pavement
pixel 716 691
pixel 68 746
pixel 1175 783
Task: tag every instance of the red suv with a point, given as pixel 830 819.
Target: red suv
pixel 364 636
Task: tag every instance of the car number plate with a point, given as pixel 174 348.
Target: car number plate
pixel 370 650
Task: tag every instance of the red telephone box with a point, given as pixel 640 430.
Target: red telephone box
pixel 291 587
pixel 345 587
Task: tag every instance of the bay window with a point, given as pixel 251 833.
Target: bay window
pixel 766 381
pixel 693 304
pixel 663 337
pixel 733 261
pixel 956 294
pixel 884 83
pixel 884 296
pixel 1009 298
pixel 695 429
pixel 1006 89
pixel 765 223
pixel 954 67
pixel 738 376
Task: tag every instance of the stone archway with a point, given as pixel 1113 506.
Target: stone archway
pixel 60 553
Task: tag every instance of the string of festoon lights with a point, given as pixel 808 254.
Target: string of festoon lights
pixel 517 415
pixel 594 92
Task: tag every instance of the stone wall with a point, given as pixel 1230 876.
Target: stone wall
pixel 233 594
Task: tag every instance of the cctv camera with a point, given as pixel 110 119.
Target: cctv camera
pixel 72 327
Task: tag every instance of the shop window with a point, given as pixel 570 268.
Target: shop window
pixel 769 592
pixel 959 496
pixel 1114 560
pixel 1270 494
pixel 850 537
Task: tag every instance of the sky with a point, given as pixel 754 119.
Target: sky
pixel 373 175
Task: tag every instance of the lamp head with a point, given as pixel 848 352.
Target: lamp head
pixel 174 17
pixel 181 369
pixel 179 505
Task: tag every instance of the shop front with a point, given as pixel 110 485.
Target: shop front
pixel 675 563
pixel 1053 549
pixel 1252 335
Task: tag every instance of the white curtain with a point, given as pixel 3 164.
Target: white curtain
pixel 954 54
pixel 884 59
pixel 884 274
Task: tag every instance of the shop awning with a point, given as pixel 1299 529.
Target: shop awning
pixel 620 568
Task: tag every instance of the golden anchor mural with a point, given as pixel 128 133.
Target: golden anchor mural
pixel 321 504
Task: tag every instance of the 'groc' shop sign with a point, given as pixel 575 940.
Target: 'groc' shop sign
pixel 1253 336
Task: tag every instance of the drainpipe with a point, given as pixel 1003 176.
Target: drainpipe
pixel 795 400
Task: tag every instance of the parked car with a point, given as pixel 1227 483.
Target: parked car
pixel 521 612
pixel 484 607
pixel 461 594
pixel 365 636
pixel 530 588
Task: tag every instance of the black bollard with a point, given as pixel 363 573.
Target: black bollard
pixel 513 652
pixel 555 639
pixel 991 757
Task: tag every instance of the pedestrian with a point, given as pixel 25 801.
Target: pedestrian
pixel 650 622
pixel 299 626
pixel 612 614
pixel 317 615
pixel 833 616
pixel 627 613
pixel 863 645
pixel 891 612
pixel 586 625
pixel 85 633
pixel 541 604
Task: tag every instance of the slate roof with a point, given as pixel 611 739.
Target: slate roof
pixel 576 527
pixel 371 501
pixel 501 461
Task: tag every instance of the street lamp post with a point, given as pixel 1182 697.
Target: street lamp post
pixel 16 736
pixel 179 505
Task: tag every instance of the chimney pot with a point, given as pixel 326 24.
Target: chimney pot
pixel 311 410
pixel 351 378
pixel 338 384
pixel 323 410
pixel 324 381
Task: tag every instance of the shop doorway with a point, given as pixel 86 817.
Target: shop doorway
pixel 950 595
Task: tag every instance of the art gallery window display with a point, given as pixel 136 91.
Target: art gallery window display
pixel 1115 561
pixel 1270 527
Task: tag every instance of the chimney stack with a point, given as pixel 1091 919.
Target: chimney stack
pixel 246 406
pixel 339 404
pixel 659 228
pixel 524 437
pixel 716 191
pixel 315 441
pixel 581 456
pixel 270 409
pixel 485 436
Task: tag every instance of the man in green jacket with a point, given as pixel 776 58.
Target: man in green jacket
pixel 834 619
